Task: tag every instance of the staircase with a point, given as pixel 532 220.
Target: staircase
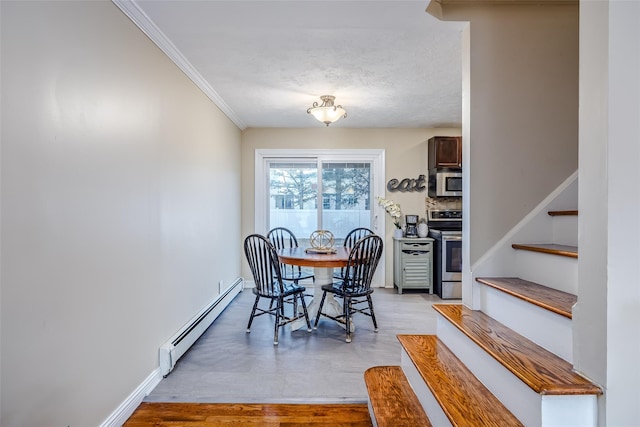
pixel 508 362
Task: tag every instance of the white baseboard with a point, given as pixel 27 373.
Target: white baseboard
pixel 188 334
pixel 126 408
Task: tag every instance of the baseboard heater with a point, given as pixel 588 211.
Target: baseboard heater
pixel 178 345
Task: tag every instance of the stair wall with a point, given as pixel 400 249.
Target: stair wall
pixel 537 227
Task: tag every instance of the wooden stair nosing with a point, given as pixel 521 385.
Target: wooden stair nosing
pixel 563 213
pixel 548 248
pixel 541 370
pixel 463 398
pixel 392 399
pixel 554 300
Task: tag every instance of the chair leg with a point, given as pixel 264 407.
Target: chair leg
pixel 306 313
pixel 295 302
pixel 347 317
pixel 279 309
pixel 373 316
pixel 324 295
pixel 253 312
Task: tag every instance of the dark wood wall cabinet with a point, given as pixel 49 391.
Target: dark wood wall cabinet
pixel 445 152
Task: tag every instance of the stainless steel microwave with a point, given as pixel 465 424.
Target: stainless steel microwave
pixel 445 183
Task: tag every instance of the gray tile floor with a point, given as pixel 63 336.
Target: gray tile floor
pixel 228 365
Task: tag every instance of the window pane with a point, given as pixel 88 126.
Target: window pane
pixel 346 197
pixel 293 191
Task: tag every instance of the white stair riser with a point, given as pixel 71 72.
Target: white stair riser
pixel 569 411
pixel 557 272
pixel 523 402
pixel 545 328
pixel 423 393
pixel 528 406
pixel 565 230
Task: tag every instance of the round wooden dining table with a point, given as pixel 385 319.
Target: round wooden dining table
pixel 323 265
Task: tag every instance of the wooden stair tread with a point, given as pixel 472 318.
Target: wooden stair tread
pixel 553 300
pixel 541 370
pixel 548 248
pixel 563 213
pixel 186 414
pixel 392 399
pixel 462 397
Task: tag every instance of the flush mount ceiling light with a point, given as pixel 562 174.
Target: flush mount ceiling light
pixel 327 113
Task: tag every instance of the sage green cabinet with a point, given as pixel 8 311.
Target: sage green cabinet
pixel 413 263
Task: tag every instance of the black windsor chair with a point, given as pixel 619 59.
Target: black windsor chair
pixel 362 263
pixel 352 237
pixel 265 267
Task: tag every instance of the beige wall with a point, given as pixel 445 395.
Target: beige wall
pixel 120 184
pixel 405 156
pixel 523 112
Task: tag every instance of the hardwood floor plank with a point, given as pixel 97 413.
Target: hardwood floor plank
pixel 228 414
pixel 393 401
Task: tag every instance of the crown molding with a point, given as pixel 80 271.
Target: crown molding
pixel 142 21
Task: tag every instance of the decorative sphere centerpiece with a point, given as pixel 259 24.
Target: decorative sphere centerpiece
pixel 321 240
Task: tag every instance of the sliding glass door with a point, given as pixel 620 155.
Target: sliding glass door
pixel 308 190
pixel 346 197
pixel 293 195
pixel 308 195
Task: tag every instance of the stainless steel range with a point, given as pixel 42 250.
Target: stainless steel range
pixel 445 227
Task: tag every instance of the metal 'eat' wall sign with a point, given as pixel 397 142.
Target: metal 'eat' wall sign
pixel 407 184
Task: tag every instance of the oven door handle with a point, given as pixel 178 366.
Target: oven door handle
pixel 451 238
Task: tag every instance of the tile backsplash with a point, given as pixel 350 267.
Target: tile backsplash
pixel 442 203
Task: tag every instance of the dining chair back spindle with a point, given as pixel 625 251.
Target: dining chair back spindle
pixel 281 238
pixel 352 237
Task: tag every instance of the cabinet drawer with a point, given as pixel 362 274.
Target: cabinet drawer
pixel 409 254
pixel 416 246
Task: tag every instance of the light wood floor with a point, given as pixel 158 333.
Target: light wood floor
pixel 228 365
pixel 245 414
pixel 318 369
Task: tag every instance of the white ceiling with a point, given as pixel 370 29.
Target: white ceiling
pixel 388 63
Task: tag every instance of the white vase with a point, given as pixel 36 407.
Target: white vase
pixel 423 229
pixel 397 233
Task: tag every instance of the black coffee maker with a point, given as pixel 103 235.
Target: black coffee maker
pixel 411 222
